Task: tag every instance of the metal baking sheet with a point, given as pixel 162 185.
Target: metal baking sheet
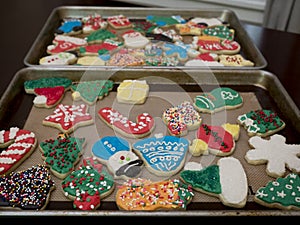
pixel 46 35
pixel 259 89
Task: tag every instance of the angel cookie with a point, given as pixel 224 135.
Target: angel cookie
pixel 226 180
pixel 143 125
pixel 133 91
pixel 218 99
pixel 261 122
pixel 163 156
pixel 139 194
pixel 275 153
pixel 181 118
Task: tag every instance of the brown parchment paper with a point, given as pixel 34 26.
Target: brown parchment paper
pixel 155 104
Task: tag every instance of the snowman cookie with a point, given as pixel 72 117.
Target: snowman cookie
pixel 134 39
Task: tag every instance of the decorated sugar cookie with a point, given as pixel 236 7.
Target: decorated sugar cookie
pixel 218 99
pixel 203 22
pixel 16 145
pixel 133 91
pixel 235 60
pixel 274 152
pixel 172 50
pixel 205 59
pixel 226 180
pixel 140 195
pixel 134 39
pixel 143 26
pixel 90 61
pixel 219 31
pixel 67 118
pixel 181 118
pixel 163 156
pixel 162 61
pixel 125 59
pixel 99 36
pixel 261 122
pixel 30 85
pixel 92 23
pixel 99 49
pixel 119 22
pixel 165 20
pixel 63 58
pixel 143 125
pixel 186 29
pixel 62 43
pixel 170 33
pixel 69 27
pixel 283 193
pixel 62 154
pixel 88 185
pixel 91 91
pixel 28 189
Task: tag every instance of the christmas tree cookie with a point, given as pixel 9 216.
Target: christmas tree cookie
pixel 226 180
pixel 283 193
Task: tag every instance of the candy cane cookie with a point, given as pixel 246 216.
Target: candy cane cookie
pixel 20 144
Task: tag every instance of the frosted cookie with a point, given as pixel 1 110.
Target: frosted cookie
pixel 143 125
pixel 134 39
pixel 16 145
pixel 186 29
pixel 143 26
pixel 275 153
pixel 198 147
pixel 261 122
pixel 170 33
pixel 202 63
pixel 100 36
pixel 203 22
pixel 92 23
pixel 68 118
pixel 88 185
pixel 162 61
pixel 133 91
pixel 220 31
pixel 62 154
pixel 91 91
pixel 158 37
pixel 31 85
pixel 62 43
pixel 125 59
pixel 63 58
pixel 90 61
pixel 163 156
pixel 119 22
pixel 165 20
pixel 99 49
pixel 145 195
pixel 226 180
pixel 28 189
pixel 218 99
pixel 181 118
pixel 69 27
pixel 219 141
pixel 171 50
pixel 235 60
pixel 190 48
pixel 283 193
pixel 153 49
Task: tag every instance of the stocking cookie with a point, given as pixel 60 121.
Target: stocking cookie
pixel 275 153
pixel 218 99
pixel 181 118
pixel 63 58
pixel 261 122
pixel 133 91
pixel 67 118
pixel 64 43
pixel 99 49
pixel 226 180
pixel 19 145
pixel 142 127
pixel 163 156
pixel 220 31
pixel 28 189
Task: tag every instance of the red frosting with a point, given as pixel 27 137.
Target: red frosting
pixel 53 94
pixel 212 45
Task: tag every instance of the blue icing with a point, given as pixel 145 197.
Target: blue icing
pixel 104 57
pixel 108 146
pixel 163 154
pixel 172 49
pixel 68 26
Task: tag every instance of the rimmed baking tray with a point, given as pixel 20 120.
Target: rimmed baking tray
pixel 260 89
pixel 46 35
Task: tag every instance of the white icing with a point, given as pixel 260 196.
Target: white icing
pixel 25 136
pixel 115 162
pixel 2 136
pixel 199 62
pixel 7 160
pixel 13 132
pixel 74 40
pixel 135 40
pixel 208 21
pixel 40 99
pixel 193 166
pixel 62 58
pixel 15 151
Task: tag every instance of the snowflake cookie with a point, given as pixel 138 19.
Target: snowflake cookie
pixel 275 153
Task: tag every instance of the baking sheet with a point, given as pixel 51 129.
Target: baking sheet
pixel 45 37
pixel 259 89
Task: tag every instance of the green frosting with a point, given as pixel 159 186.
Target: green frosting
pixel 219 31
pixel 48 82
pixel 284 191
pixel 61 154
pixel 185 194
pixel 207 179
pixel 100 35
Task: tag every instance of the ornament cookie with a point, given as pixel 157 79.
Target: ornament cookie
pixel 28 189
pixel 16 146
pixel 91 91
pixel 163 156
pixel 283 193
pixel 63 43
pixel 138 194
pixel 235 60
pixel 133 91
pixel 218 99
pixel 67 118
pixel 274 152
pixel 62 154
pixel 87 185
pixel 181 118
pixel 261 122
pixel 226 180
pixel 63 58
pixel 142 127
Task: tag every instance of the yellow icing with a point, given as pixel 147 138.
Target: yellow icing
pixel 233 129
pixel 198 147
pixel 133 91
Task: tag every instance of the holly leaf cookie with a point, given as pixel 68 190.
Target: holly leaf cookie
pixel 163 156
pixel 226 180
pixel 62 154
pixel 91 91
pixel 26 189
pixel 275 153
pixel 283 193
